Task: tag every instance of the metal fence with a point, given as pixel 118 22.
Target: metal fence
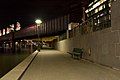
pixel 86 27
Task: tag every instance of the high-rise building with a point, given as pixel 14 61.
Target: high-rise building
pixel 99 14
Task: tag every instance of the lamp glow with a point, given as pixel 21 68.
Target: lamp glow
pixel 38 21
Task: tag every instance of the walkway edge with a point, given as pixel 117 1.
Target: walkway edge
pixel 19 70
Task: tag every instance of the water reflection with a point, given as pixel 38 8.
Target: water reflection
pixel 9 60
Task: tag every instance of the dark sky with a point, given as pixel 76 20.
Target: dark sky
pixel 26 11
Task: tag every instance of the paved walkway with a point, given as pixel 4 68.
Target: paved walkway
pixel 54 65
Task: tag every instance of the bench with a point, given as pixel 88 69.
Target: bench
pixel 76 53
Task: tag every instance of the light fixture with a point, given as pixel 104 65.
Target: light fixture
pixel 38 21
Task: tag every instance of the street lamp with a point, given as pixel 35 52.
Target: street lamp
pixel 38 22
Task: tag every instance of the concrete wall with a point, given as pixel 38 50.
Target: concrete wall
pixel 102 46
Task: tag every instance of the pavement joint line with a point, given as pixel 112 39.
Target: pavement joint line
pixel 27 66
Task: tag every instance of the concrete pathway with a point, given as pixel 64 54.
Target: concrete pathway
pixel 54 65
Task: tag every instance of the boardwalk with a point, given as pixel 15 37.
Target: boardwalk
pixel 54 65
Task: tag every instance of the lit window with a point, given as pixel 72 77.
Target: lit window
pixel 96 10
pixel 95 23
pixel 103 6
pixel 86 11
pixel 97 16
pixel 91 9
pixel 18 26
pixel 12 27
pixel 98 21
pixel 102 1
pixel 95 5
pixel 101 14
pixel 3 31
pixel 8 31
pixel 109 4
pixel 100 8
pixel 109 11
pixel 95 0
pixel 90 4
pixel 94 17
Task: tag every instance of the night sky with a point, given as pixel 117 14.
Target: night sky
pixel 26 11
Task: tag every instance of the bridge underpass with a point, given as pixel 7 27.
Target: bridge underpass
pixel 51 28
pixel 27 39
pixel 99 39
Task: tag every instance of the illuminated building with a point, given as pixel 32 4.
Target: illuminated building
pixel 99 14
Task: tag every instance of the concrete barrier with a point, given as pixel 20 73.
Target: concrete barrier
pixel 18 71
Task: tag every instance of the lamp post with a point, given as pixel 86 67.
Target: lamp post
pixel 38 22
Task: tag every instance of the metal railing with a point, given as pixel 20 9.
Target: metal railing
pixel 86 27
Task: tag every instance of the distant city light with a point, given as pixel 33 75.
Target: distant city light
pixel 12 27
pixel 3 31
pixel 0 33
pixel 18 26
pixel 8 31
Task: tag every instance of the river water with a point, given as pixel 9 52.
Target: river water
pixel 9 60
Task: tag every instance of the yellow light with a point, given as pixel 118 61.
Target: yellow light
pixel 100 8
pixel 38 21
pixel 0 33
pixel 3 31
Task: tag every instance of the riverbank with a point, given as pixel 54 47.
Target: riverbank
pixel 9 60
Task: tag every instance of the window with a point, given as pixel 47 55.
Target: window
pixel 98 16
pixel 95 0
pixel 95 5
pixel 103 6
pixel 86 11
pixel 98 21
pixel 101 14
pixel 109 4
pixel 90 3
pixel 100 8
pixel 102 1
pixel 94 17
pixel 95 23
pixel 3 31
pixel 110 11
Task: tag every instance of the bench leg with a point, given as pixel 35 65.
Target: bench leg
pixel 77 57
pixel 73 56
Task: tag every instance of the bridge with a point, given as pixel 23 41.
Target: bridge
pixel 97 34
